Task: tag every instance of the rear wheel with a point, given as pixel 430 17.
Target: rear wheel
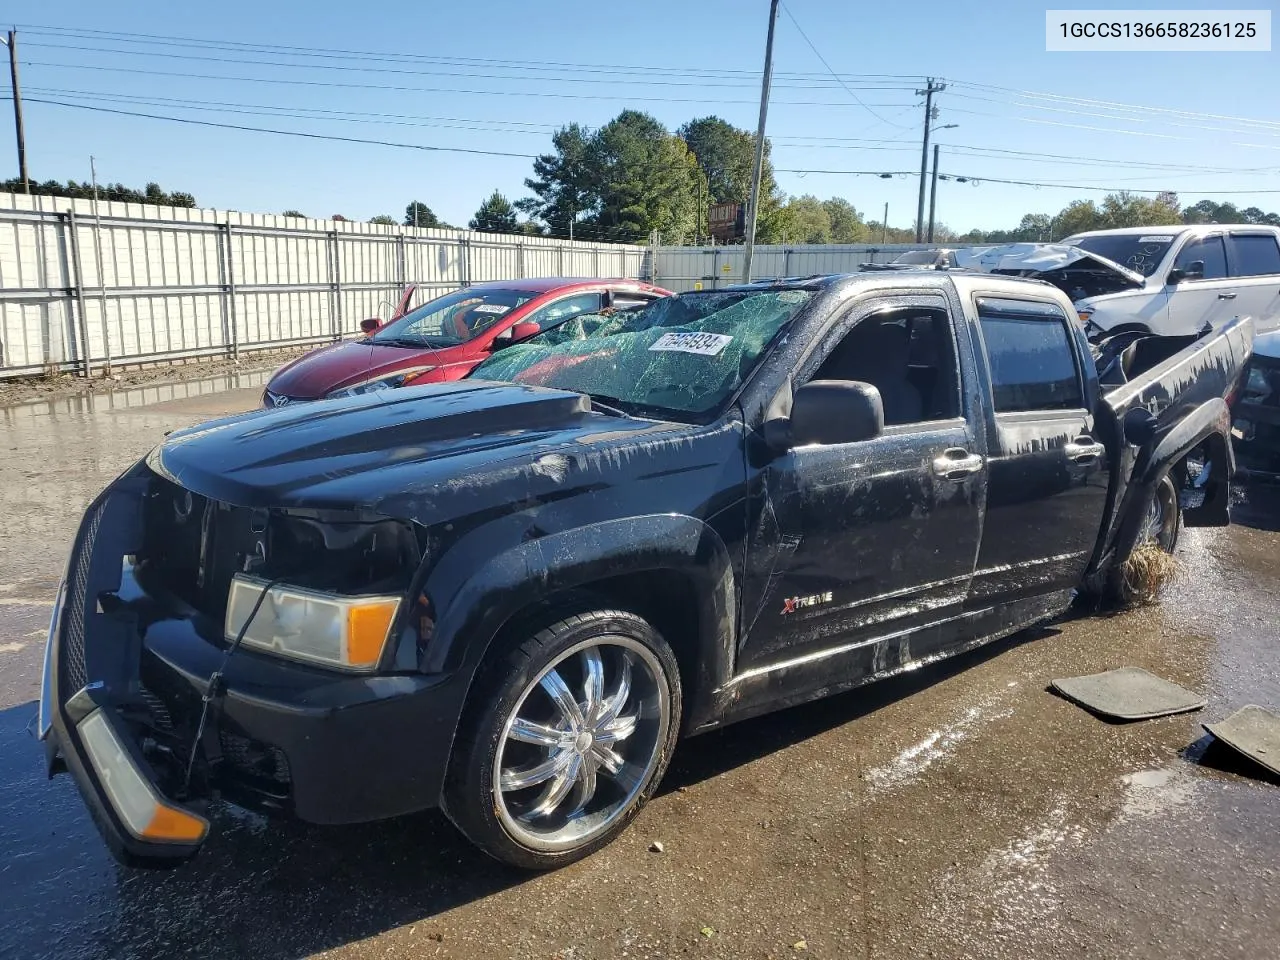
pixel 1136 577
pixel 566 737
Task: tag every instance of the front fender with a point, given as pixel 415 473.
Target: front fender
pixel 517 578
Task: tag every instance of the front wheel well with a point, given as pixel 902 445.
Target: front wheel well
pixel 667 599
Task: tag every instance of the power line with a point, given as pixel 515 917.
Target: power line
pixel 346 54
pixel 1118 105
pixel 817 84
pixel 382 86
pixel 285 133
pixel 277 112
pixel 816 53
pixel 1267 129
pixel 979 180
pixel 560 66
pixel 538 127
pixel 491 126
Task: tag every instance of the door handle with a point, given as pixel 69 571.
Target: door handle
pixel 1084 450
pixel 956 464
pixel 1226 296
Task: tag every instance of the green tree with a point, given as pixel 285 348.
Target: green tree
pixel 151 193
pixel 1035 227
pixel 1076 217
pixel 496 215
pixel 530 229
pixel 296 214
pixel 564 183
pixel 805 220
pixel 418 214
pixel 1126 209
pixel 384 219
pixel 726 155
pixel 646 179
pixel 846 222
pixel 1255 215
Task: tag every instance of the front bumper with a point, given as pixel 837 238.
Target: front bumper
pixel 283 737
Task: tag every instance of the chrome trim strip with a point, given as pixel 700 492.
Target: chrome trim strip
pixel 846 648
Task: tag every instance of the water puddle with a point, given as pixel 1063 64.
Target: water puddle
pixel 125 398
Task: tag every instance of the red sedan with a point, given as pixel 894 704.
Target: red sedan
pixel 445 338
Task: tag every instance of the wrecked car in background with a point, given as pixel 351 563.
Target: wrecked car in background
pixel 445 337
pixel 1257 411
pixel 1171 281
pixel 941 259
pixel 510 595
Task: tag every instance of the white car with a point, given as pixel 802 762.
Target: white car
pixel 1169 280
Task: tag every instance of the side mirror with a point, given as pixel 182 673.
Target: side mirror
pixel 830 411
pixel 524 330
pixel 1192 271
pixel 370 324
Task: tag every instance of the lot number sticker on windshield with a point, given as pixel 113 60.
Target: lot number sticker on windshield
pixel 706 344
pixel 490 308
pixel 1154 239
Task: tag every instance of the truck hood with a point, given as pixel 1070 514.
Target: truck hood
pixel 1039 260
pixel 411 453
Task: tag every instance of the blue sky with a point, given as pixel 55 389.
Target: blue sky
pixel 1172 123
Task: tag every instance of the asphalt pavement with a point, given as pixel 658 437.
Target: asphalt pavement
pixel 958 811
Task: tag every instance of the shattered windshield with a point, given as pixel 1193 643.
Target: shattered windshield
pixel 1141 254
pixel 684 354
pixel 452 319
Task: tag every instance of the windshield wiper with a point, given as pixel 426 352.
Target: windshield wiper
pixel 608 407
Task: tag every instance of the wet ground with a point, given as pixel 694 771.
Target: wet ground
pixel 961 811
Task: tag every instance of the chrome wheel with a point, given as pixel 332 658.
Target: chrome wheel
pixel 1160 523
pixel 581 742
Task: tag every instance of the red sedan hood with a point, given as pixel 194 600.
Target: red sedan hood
pixel 315 374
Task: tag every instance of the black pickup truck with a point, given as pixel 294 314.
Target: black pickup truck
pixel 509 596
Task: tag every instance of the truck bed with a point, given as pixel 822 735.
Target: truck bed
pixel 1172 401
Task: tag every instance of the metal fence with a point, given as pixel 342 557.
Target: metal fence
pixel 685 268
pixel 142 283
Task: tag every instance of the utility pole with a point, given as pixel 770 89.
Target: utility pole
pixel 884 225
pixel 930 89
pixel 102 277
pixel 12 44
pixel 933 190
pixel 754 203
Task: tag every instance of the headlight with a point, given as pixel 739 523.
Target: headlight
pixel 146 815
pixel 347 633
pixel 382 383
pixel 1085 314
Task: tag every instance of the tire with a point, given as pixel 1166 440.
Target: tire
pixel 1163 526
pixel 538 786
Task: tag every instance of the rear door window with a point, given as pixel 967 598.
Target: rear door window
pixel 1255 255
pixel 1029 353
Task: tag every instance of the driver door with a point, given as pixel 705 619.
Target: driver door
pixel 854 542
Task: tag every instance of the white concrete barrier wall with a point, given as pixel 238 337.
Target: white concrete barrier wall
pixel 683 268
pixel 187 282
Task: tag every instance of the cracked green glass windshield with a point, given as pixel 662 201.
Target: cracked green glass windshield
pixel 683 354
